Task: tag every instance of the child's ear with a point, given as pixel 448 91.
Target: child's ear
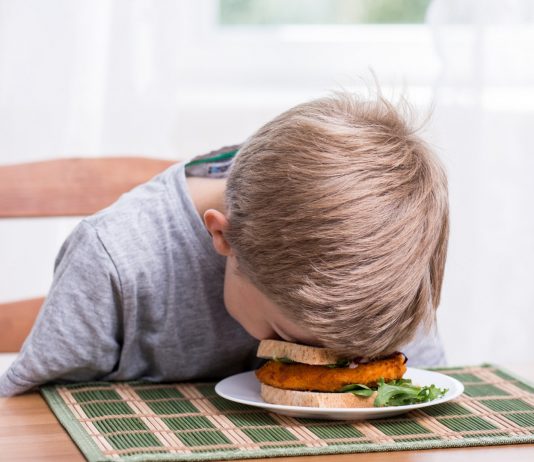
pixel 216 224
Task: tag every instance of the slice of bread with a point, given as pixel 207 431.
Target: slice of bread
pixel 315 356
pixel 314 399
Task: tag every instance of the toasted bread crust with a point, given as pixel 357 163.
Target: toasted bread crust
pixel 305 377
pixel 270 349
pixel 314 399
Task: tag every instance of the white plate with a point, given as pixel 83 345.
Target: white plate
pixel 245 388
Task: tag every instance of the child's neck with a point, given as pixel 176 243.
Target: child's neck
pixel 207 193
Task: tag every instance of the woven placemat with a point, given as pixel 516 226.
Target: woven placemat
pixel 140 421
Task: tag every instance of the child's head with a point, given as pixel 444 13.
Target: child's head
pixel 338 213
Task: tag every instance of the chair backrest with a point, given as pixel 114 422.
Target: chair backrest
pixel 56 188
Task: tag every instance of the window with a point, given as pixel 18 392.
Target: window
pixel 276 12
pixel 302 46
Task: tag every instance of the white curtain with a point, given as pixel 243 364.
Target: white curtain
pixel 483 127
pixel 94 78
pixel 111 77
pixel 88 77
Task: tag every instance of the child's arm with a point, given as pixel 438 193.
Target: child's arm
pixel 76 335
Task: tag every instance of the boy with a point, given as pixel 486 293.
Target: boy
pixel 329 227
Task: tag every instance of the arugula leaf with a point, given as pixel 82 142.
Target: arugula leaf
pixel 358 389
pixel 339 363
pixel 283 360
pixel 402 392
pixel 396 392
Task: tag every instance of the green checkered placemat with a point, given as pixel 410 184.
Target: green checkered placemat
pixel 140 421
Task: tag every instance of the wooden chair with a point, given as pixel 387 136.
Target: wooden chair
pixel 59 188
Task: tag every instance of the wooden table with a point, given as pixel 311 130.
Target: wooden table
pixel 29 432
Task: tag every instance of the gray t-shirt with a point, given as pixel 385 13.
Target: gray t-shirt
pixel 138 294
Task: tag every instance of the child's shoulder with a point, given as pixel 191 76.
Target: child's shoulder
pixel 151 217
pixel 145 203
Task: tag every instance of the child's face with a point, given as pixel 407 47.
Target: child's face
pixel 258 315
pixel 250 307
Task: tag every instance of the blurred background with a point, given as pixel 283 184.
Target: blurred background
pixel 175 78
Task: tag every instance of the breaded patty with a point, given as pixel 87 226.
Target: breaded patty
pixel 297 376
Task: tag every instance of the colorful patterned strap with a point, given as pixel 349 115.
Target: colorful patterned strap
pixel 214 164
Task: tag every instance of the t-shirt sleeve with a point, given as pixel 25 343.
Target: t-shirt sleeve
pixel 76 335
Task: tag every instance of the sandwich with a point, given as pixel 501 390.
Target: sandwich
pixel 302 375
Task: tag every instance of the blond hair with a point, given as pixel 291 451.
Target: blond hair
pixel 338 212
